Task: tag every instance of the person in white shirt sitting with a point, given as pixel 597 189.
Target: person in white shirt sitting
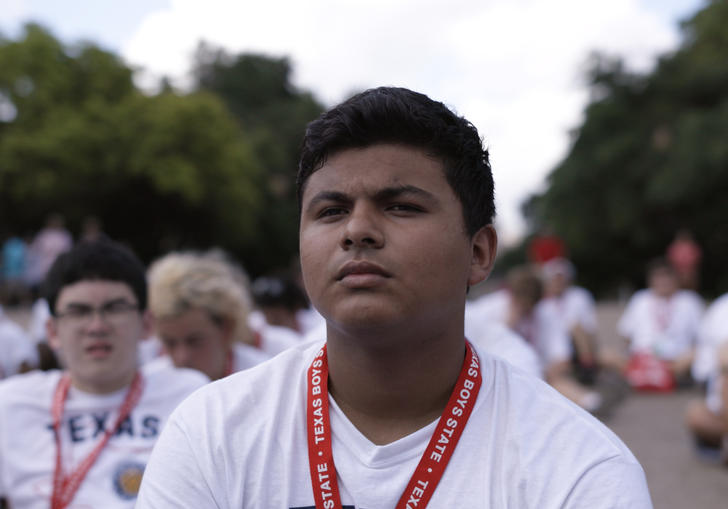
pixel 707 418
pixel 662 320
pixel 575 308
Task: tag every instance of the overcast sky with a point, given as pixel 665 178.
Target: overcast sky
pixel 512 67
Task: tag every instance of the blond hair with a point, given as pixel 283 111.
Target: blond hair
pixel 181 281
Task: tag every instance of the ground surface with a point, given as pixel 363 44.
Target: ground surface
pixel 652 427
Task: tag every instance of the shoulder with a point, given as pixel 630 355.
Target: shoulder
pixel 12 332
pixel 500 341
pixel 275 339
pixel 263 386
pixel 167 380
pixel 718 310
pixel 689 298
pixel 533 415
pixel 34 385
pixel 642 295
pixel 247 356
pixel 579 293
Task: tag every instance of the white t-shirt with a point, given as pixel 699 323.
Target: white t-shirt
pixel 713 333
pixel 664 327
pixel 497 339
pixel 241 443
pixel 40 313
pixel 27 445
pixel 575 306
pixel 542 330
pixel 274 339
pixel 15 348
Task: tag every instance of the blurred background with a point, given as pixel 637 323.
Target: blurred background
pixel 177 124
pixel 172 124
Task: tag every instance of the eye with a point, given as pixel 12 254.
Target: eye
pixel 405 207
pixel 194 341
pixel 331 212
pixel 79 312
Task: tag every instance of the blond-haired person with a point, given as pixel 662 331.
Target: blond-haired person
pixel 199 308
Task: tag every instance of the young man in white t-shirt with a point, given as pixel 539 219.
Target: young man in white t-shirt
pixel 81 437
pixel 707 419
pixel 396 198
pixel 662 320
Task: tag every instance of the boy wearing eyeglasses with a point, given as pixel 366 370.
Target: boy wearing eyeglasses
pixel 82 436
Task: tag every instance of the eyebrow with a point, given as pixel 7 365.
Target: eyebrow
pixel 388 193
pixel 85 305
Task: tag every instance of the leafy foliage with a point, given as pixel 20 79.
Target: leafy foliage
pixel 650 158
pixel 257 90
pixel 209 168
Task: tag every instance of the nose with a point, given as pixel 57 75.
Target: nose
pixel 362 228
pixel 182 356
pixel 97 323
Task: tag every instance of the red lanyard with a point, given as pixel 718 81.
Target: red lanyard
pixel 65 486
pixel 432 465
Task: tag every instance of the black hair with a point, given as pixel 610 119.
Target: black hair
pixel 92 261
pixel 278 290
pixel 401 116
pixel 660 265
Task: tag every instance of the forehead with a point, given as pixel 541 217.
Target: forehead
pixel 94 292
pixel 372 168
pixel 187 321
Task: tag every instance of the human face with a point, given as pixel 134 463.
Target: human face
pixel 194 340
pixel 556 285
pixel 384 245
pixel 100 352
pixel 663 282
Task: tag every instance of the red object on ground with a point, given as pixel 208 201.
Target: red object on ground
pixel 647 373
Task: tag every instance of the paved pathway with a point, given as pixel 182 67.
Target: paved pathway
pixel 652 427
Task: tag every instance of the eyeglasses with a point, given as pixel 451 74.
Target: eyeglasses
pixel 112 313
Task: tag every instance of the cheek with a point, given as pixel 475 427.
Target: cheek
pixel 313 263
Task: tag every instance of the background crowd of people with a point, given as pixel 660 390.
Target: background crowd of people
pixel 209 316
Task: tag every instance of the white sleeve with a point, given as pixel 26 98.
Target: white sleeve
pixel 627 322
pixel 173 477
pixel 553 340
pixel 611 484
pixel 587 312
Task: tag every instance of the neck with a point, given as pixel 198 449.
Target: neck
pixel 390 392
pixel 102 387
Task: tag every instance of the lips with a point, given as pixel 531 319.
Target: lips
pixel 99 349
pixel 361 270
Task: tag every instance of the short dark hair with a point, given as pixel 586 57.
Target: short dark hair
pixel 660 264
pixel 92 261
pixel 401 116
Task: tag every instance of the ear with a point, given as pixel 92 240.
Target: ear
pixel 51 328
pixel 484 245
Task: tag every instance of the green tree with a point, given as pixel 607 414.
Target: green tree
pixel 273 113
pixel 649 159
pixel 160 171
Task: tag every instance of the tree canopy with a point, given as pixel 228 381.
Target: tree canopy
pixel 650 158
pixel 172 170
